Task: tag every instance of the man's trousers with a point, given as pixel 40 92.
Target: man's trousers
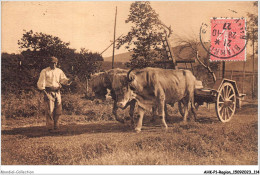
pixel 53 109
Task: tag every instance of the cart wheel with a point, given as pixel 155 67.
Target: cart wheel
pixel 226 102
pixel 181 107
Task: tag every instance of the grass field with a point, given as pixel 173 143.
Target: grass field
pixel 106 142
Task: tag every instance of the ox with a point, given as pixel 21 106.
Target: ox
pixel 102 81
pixel 157 87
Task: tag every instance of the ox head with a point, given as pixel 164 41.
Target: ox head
pixel 122 90
pixel 99 84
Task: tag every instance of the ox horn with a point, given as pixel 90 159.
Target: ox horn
pixel 128 75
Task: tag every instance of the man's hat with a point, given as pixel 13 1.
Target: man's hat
pixel 54 60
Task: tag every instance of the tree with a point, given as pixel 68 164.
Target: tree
pixel 81 66
pixel 48 45
pixel 11 77
pixel 37 47
pixel 253 22
pixel 145 36
pixel 87 63
pixel 253 25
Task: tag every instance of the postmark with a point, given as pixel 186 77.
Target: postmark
pixel 225 39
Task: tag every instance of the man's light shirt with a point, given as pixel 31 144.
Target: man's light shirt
pixel 51 78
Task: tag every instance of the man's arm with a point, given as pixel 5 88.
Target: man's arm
pixel 64 80
pixel 41 81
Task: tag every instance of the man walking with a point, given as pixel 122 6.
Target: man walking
pixel 50 81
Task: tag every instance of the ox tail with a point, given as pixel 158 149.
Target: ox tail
pixel 128 75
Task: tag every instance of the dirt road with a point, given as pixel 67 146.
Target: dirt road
pixel 206 142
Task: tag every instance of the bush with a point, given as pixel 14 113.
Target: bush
pixel 31 103
pixel 25 104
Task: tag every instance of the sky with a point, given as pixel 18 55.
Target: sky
pixel 90 24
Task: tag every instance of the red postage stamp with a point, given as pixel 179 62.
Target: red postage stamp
pixel 228 39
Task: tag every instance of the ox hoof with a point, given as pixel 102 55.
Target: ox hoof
pixel 137 130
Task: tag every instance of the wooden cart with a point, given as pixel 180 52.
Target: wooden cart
pixel 224 93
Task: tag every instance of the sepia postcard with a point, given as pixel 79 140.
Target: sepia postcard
pixel 129 87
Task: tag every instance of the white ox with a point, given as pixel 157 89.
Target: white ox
pixel 156 87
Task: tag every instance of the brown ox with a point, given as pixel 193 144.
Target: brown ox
pixel 102 81
pixel 157 87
